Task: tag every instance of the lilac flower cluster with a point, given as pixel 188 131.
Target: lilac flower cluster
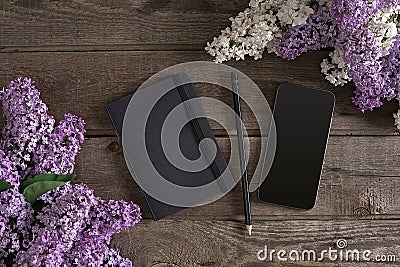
pixel 353 14
pixel 319 32
pixel 77 228
pixel 391 67
pixel 7 170
pixel 16 218
pixel 57 155
pixel 30 139
pixel 343 26
pixel 350 13
pixel 363 57
pixel 74 228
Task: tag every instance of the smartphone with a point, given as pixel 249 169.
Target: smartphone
pixel 303 118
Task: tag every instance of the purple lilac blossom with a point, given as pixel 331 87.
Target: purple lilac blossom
pixel 16 218
pixel 30 137
pixel 344 26
pixel 356 13
pixel 319 32
pixel 58 154
pixel 363 57
pixel 391 67
pixel 92 212
pixel 7 170
pixel 353 13
pixel 27 123
pixel 78 227
pixel 361 52
pixel 113 258
pixel 45 250
pixel 75 227
pixel 96 253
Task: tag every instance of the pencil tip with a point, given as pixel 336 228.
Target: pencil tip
pixel 248 227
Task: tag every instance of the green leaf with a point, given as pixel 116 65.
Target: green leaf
pixel 47 177
pixel 4 186
pixel 35 190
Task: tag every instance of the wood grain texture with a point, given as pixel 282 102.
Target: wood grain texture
pixel 84 54
pixel 95 24
pixel 83 83
pixel 355 182
pixel 225 243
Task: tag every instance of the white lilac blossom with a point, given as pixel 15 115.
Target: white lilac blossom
pixel 256 28
pixel 361 32
pixel 345 25
pixel 334 68
pixel 385 25
pixel 72 227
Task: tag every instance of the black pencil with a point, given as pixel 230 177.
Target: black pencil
pixel 242 156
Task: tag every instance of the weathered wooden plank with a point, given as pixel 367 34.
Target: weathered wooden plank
pixel 83 83
pixel 360 178
pixel 71 25
pixel 225 243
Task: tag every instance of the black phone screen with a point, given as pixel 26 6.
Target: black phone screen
pixel 303 118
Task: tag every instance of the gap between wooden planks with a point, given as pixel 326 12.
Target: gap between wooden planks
pixel 224 243
pixel 83 83
pixel 64 24
pixel 360 179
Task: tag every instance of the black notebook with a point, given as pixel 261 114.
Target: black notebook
pixel 189 139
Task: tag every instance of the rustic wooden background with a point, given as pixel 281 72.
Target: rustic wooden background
pixel 84 54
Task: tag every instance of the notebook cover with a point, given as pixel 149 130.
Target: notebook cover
pixel 189 141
